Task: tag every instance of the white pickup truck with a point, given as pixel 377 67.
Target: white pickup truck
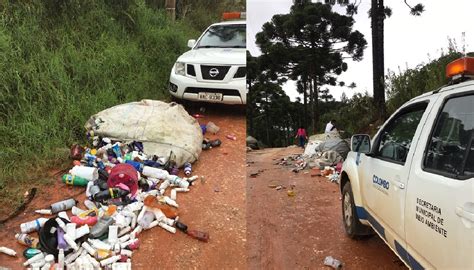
pixel 214 69
pixel 413 183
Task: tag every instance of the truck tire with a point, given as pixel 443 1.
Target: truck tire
pixel 352 225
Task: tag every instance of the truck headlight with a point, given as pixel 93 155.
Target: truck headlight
pixel 179 68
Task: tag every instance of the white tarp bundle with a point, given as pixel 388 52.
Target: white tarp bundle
pixel 161 127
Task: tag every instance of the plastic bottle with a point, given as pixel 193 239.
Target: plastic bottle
pixel 72 256
pixel 33 225
pixel 110 260
pixel 231 137
pixel 8 251
pixel 43 211
pixel 177 181
pixel 334 263
pixel 62 244
pixel 113 234
pixel 70 241
pixel 153 202
pixel 211 127
pixel 72 180
pixel 155 172
pixel 89 248
pixel 89 173
pixel 201 236
pixel 63 205
pixel 81 231
pixel 116 149
pixel 187 169
pixel 137 165
pixel 215 143
pixel 35 258
pixel 174 170
pixel 147 218
pixel 91 221
pixel 181 226
pixel 111 193
pixel 31 252
pixel 60 265
pixel 101 227
pixel 27 240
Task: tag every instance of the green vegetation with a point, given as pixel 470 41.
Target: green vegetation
pixel 62 61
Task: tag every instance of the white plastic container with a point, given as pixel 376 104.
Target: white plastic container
pixel 72 256
pixel 89 173
pixel 33 225
pixel 155 172
pixel 69 240
pixel 110 260
pixel 71 230
pixel 36 258
pixel 8 251
pixel 113 234
pixel 167 227
pixel 81 231
pixel 89 248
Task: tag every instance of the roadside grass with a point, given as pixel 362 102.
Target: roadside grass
pixel 60 65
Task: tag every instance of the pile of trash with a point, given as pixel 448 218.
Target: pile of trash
pixel 324 154
pixel 128 190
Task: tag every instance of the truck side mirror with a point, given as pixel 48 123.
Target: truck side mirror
pixel 360 143
pixel 191 43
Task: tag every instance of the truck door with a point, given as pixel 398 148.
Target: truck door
pixel 384 172
pixel 440 192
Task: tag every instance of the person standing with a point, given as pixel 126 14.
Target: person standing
pixel 331 126
pixel 301 135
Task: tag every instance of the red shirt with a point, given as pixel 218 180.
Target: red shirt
pixel 301 132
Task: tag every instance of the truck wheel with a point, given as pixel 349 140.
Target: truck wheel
pixel 350 219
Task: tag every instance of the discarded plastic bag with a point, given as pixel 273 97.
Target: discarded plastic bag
pixel 162 127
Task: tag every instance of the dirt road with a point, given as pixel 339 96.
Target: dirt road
pixel 299 232
pixel 216 206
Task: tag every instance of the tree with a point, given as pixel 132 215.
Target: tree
pixel 310 44
pixel 377 13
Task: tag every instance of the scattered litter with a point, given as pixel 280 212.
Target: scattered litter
pixel 8 251
pixel 126 183
pixel 254 174
pixel 291 192
pixel 334 263
pixel 212 128
pixel 231 137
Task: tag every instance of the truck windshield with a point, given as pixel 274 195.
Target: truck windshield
pixel 224 36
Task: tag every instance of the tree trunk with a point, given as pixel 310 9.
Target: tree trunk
pixel 311 105
pixel 304 120
pixel 377 23
pixel 170 6
pixel 315 106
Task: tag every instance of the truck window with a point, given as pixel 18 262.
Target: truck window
pixel 224 36
pixel 395 139
pixel 450 149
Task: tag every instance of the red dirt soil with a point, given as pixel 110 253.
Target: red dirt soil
pixel 299 232
pixel 216 206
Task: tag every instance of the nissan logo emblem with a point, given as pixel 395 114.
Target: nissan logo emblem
pixel 213 72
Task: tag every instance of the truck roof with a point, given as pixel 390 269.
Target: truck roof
pixel 444 89
pixel 230 22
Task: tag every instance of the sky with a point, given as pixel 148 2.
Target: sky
pixel 409 40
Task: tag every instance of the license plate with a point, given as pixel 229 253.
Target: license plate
pixel 210 96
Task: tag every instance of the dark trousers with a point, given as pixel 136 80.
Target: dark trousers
pixel 302 141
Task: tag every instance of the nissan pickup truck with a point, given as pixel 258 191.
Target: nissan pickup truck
pixel 214 69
